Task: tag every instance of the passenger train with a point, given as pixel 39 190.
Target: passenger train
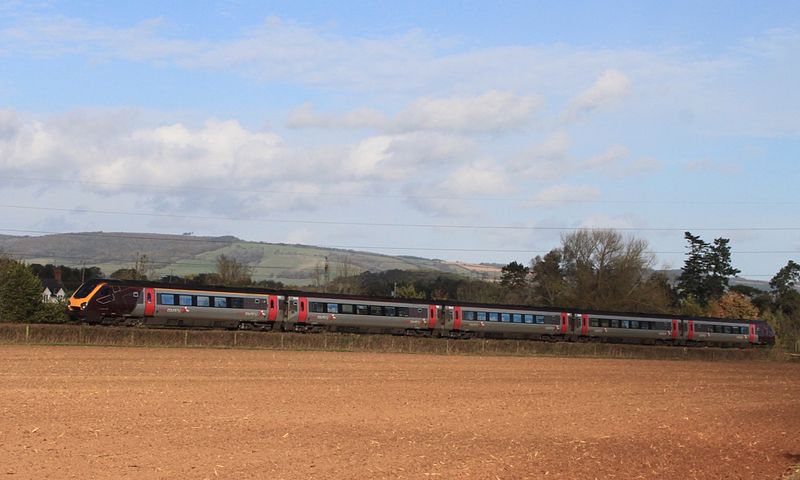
pixel 137 303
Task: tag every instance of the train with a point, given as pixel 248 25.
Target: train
pixel 154 304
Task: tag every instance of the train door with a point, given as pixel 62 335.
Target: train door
pixel 457 318
pixel 584 324
pixel 149 302
pixel 575 324
pixel 564 322
pixel 752 336
pixel 302 309
pixel 674 330
pixel 432 314
pixel 272 305
pixel 690 331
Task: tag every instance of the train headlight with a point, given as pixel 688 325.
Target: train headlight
pixel 83 306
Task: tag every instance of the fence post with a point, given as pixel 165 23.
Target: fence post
pixel 27 333
pixel 235 334
pixel 186 338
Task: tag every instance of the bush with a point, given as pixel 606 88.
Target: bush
pixel 20 292
pixel 51 313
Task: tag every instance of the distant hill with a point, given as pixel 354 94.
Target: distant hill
pixel 673 275
pixel 188 254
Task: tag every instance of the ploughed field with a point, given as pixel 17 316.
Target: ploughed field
pixel 97 412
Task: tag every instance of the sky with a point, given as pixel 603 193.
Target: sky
pixel 466 131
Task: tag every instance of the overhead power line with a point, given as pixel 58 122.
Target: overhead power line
pixel 396 225
pixel 328 193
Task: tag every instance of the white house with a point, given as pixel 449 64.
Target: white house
pixel 53 291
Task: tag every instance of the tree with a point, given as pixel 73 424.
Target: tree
pixel 602 270
pixel 786 279
pixel 231 272
pixel 407 290
pixel 514 281
pixel 547 279
pixel 20 292
pixel 706 269
pixel 514 275
pixel 141 269
pixel 732 305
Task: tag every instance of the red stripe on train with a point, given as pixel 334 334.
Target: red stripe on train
pixel 457 318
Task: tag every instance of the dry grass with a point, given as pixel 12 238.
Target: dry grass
pixel 36 334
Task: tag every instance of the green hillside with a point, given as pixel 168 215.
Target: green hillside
pixel 183 255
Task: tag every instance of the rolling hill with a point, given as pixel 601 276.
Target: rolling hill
pixel 187 254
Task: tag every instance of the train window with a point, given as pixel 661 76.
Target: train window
pixel 634 324
pixel 593 322
pixel 605 322
pixel 346 308
pixel 333 308
pixel 402 312
pixel 104 291
pixel 316 307
pixel 625 324
pixel 527 318
pixel 494 317
pixel 237 303
pixel 362 309
pixel 166 299
pixel 644 325
pixel 516 317
pixel 614 323
pixel 391 311
pixel 505 317
pixel 743 330
pixel 185 300
pixel 728 329
pixel 469 315
pixel 540 319
pixel 221 302
pixel 375 310
pixel 481 316
pixel 203 301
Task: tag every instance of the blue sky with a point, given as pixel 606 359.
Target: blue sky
pixel 459 130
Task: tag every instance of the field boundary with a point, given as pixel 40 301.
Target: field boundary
pixel 43 334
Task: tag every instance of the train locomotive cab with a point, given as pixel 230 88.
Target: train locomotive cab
pixel 82 296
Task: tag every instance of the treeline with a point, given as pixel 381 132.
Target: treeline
pixel 602 270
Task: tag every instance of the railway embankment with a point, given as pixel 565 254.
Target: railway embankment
pixel 42 334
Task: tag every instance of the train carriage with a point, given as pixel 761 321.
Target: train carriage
pixel 314 313
pixel 718 332
pixel 631 329
pixel 494 321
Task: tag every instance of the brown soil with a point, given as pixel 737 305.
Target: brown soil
pixel 90 412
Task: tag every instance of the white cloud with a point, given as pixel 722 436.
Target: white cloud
pixel 546 161
pixel 561 194
pixel 610 87
pixel 492 111
pixel 401 156
pixel 461 192
pixel 608 159
pixel 363 118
